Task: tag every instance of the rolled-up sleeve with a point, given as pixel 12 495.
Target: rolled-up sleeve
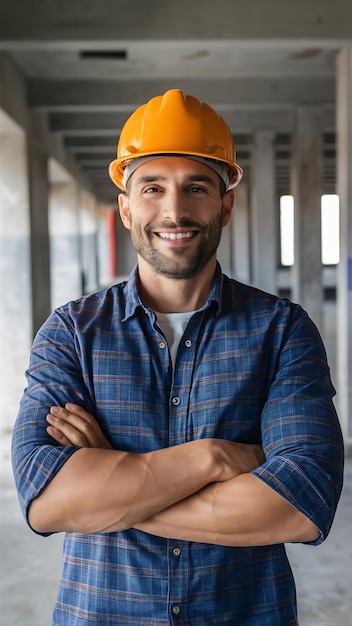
pixel 54 377
pixel 301 433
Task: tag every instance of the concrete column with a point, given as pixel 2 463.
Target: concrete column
pixel 263 213
pixel 344 278
pixel 40 255
pixel 241 268
pixel 65 262
pixel 126 254
pixel 225 249
pixel 307 190
pixel 88 236
pixel 15 270
pixel 104 274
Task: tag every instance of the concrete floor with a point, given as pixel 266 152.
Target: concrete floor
pixel 31 565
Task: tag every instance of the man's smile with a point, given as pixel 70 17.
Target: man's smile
pixel 176 236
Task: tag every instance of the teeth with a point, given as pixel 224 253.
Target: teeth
pixel 175 235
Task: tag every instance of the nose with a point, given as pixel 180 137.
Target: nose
pixel 175 205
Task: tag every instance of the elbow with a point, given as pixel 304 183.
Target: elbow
pixel 308 532
pixel 46 516
pixel 45 520
pixel 38 519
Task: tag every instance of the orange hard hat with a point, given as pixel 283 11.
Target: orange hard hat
pixel 175 124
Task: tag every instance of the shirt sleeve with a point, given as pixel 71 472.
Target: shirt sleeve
pixel 54 377
pixel 301 433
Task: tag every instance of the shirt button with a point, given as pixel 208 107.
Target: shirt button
pixel 162 344
pixel 176 551
pixel 188 343
pixel 176 401
pixel 176 609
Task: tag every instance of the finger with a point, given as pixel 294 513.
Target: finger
pixel 84 421
pixel 76 409
pixel 58 436
pixel 78 420
pixel 73 435
pixel 79 426
pixel 92 429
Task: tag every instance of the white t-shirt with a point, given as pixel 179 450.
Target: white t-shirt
pixel 173 326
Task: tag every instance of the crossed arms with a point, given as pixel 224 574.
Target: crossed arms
pixel 201 491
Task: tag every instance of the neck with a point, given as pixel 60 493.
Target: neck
pixel 169 295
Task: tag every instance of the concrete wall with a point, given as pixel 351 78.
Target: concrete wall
pixel 50 224
pixel 15 268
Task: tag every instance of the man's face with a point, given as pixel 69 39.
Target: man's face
pixel 175 211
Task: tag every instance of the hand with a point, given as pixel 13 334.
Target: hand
pixel 72 425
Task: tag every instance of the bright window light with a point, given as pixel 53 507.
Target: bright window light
pixel 330 240
pixel 287 230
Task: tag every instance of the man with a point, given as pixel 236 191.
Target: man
pixel 179 427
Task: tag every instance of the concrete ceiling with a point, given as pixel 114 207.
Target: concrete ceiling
pixel 89 63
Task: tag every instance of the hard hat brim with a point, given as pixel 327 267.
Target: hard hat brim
pixel 117 166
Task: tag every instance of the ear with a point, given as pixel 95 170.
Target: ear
pixel 228 199
pixel 124 207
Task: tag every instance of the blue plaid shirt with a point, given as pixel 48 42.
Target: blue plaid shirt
pixel 250 368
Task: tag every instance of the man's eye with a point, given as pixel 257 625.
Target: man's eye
pixel 196 189
pixel 151 190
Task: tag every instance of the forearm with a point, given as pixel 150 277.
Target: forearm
pixel 243 511
pixel 100 490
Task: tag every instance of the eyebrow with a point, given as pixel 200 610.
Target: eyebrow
pixel 192 178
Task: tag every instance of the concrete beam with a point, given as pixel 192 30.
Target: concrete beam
pixel 13 100
pixel 108 144
pixel 101 126
pixel 100 159
pixel 13 91
pixel 83 123
pixel 240 120
pixel 124 96
pixel 67 21
pixel 89 145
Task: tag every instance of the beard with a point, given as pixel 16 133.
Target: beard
pixel 183 262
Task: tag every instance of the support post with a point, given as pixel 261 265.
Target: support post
pixel 344 277
pixel 307 174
